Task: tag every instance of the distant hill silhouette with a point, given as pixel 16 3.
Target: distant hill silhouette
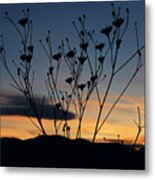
pixel 58 151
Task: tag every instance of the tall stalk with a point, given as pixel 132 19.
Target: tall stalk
pixel 114 49
pixel 139 126
pixel 23 79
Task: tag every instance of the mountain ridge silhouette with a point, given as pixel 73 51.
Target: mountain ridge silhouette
pixel 60 152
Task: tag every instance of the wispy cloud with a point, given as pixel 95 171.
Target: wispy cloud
pixel 12 104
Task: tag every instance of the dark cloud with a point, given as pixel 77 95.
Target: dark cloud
pixel 17 105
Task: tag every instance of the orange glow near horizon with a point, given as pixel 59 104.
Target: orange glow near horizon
pixel 120 122
pixel 25 129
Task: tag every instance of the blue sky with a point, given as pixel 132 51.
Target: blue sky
pixel 58 18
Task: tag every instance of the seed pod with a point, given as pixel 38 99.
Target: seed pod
pixel 23 21
pixel 69 80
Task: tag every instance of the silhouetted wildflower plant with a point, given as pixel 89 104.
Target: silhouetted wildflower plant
pixel 115 34
pixel 139 126
pixel 23 79
pixel 59 99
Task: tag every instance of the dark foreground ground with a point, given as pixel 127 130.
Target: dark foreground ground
pixel 57 151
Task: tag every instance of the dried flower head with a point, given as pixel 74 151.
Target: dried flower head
pixel 1 49
pixel 82 59
pixel 69 80
pixel 28 58
pixel 51 69
pixel 58 105
pixel 71 54
pixel 23 21
pixel 100 46
pixel 101 59
pixel 23 57
pixel 82 86
pixel 118 43
pixel 57 56
pixel 93 78
pixel 84 46
pixel 118 22
pixel 30 48
pixel 106 31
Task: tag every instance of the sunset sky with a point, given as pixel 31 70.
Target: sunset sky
pixel 58 18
